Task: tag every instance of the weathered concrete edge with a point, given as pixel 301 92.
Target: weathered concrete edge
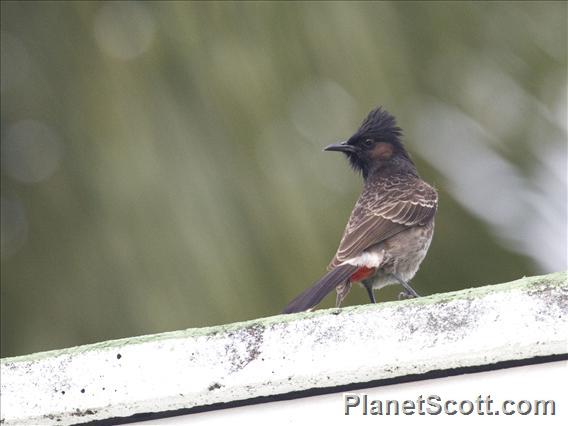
pixel 556 279
pixel 222 378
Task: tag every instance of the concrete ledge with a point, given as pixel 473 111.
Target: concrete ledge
pixel 516 321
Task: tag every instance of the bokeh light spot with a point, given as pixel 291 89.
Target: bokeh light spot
pixel 124 30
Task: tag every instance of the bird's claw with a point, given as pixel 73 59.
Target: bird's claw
pixel 403 295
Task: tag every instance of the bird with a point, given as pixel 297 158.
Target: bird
pixel 391 226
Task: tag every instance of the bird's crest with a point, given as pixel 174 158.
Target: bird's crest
pixel 381 125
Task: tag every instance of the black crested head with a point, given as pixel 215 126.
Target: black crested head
pixel 376 146
pixel 381 125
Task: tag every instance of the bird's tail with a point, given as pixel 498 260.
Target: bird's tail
pixel 313 295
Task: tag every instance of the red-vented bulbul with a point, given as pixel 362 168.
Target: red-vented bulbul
pixel 391 226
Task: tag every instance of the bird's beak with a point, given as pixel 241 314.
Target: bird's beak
pixel 342 147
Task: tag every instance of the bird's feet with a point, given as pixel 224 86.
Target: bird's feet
pixel 409 292
pixel 404 295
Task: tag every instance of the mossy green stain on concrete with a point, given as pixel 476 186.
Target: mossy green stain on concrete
pixel 558 280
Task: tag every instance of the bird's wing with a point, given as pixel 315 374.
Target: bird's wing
pixel 383 210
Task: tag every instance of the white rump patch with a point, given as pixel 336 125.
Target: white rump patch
pixel 368 259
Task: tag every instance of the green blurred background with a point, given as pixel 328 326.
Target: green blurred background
pixel 162 164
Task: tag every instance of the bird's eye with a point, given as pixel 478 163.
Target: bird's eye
pixel 368 143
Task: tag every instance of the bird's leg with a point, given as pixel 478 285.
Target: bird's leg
pixel 342 290
pixel 410 292
pixel 369 287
